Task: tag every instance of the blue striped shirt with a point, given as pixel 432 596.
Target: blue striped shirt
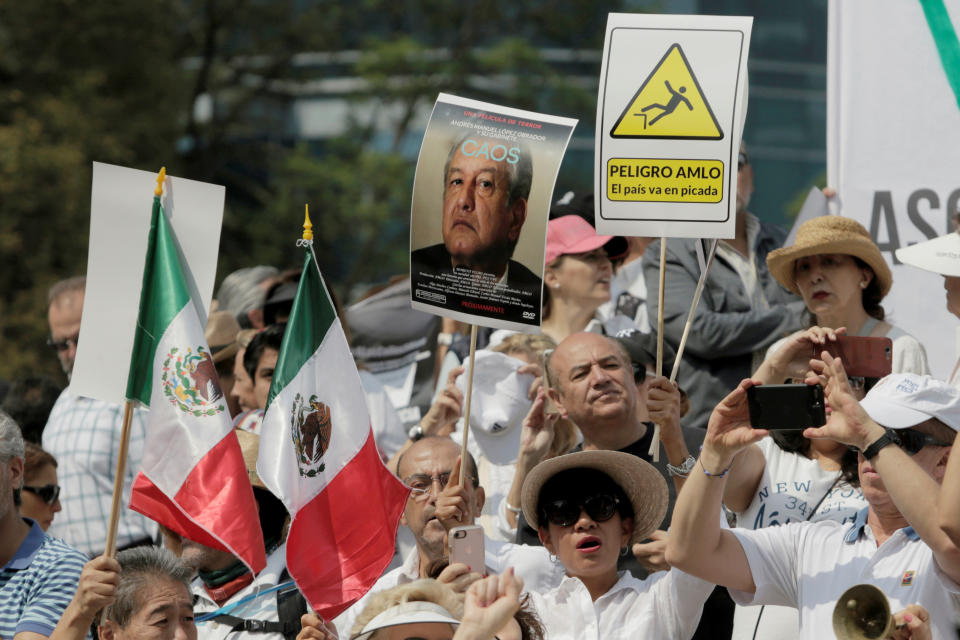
pixel 38 583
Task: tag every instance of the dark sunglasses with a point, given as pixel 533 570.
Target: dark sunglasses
pixel 49 493
pixel 566 511
pixel 913 441
pixel 742 160
pixel 63 345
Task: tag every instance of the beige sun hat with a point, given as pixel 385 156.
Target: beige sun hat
pixel 639 480
pixel 829 234
pixel 250 446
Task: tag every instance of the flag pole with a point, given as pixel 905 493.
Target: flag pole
pixel 655 441
pixel 693 308
pixel 110 549
pixel 466 411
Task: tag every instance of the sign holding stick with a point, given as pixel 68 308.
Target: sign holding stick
pixel 466 408
pixel 693 308
pixel 655 440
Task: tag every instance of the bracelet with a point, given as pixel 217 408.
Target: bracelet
pixel 684 469
pixel 713 475
pixel 513 510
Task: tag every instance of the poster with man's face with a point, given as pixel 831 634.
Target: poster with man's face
pixel 478 222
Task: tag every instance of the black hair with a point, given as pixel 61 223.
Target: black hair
pixel 269 338
pixel 872 294
pixel 579 483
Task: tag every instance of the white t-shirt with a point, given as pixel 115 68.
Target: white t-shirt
pixel 666 604
pixel 791 486
pixel 808 566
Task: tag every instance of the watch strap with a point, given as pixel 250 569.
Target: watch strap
pixel 889 437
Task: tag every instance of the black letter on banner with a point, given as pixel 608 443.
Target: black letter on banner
pixel 952 211
pixel 883 205
pixel 914 214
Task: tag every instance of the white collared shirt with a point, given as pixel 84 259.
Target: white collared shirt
pixel 263 608
pixel 531 563
pixel 808 566
pixel 666 604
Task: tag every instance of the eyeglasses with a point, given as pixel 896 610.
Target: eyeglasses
pixel 742 160
pixel 566 511
pixel 421 484
pixel 63 345
pixel 857 382
pixel 49 493
pixel 913 441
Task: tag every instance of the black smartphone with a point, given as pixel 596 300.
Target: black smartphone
pixel 784 407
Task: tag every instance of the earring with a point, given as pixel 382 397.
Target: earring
pixel 624 551
pixel 556 285
pixel 553 558
pixel 863 285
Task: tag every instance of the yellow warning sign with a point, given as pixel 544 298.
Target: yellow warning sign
pixel 664 180
pixel 669 104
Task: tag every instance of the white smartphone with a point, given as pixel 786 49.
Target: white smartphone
pixel 466 546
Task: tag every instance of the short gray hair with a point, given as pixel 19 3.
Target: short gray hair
pixel 240 292
pixel 139 567
pixel 76 284
pixel 11 440
pixel 519 173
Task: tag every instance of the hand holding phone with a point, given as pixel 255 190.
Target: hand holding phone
pixel 467 547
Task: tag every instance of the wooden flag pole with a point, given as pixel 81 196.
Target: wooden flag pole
pixel 654 451
pixel 693 308
pixel 110 550
pixel 466 409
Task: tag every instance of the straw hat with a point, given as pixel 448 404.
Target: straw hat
pixel 829 234
pixel 250 446
pixel 221 334
pixel 639 480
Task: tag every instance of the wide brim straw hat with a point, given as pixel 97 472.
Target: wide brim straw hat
pixel 829 234
pixel 640 481
pixel 418 612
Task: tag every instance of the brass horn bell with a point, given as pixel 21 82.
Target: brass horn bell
pixel 862 613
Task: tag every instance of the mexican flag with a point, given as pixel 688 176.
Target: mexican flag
pixel 317 454
pixel 193 480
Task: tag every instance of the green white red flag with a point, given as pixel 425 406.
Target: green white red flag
pixel 193 479
pixel 318 455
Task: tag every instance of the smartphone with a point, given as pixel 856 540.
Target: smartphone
pixel 784 407
pixel 862 356
pixel 466 546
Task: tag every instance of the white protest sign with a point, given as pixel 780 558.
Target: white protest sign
pixel 120 207
pixel 669 122
pixel 893 145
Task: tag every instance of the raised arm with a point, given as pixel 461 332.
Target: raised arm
pixel 697 544
pixel 914 491
pixel 950 500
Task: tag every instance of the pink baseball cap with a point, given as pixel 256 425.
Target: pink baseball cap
pixel 573 234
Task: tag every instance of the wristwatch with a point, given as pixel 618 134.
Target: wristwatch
pixel 889 437
pixel 415 433
pixel 684 469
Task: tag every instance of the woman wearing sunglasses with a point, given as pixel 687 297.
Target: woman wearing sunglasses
pixel 589 508
pixel 41 493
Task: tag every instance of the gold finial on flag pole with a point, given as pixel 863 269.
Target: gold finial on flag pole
pixel 160 178
pixel 307 226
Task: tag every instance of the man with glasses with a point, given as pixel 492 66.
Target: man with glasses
pixel 903 430
pixel 83 434
pixel 39 573
pixel 742 310
pixel 437 504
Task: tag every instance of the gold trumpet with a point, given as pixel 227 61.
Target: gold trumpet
pixel 862 613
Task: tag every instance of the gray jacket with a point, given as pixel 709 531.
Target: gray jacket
pixel 726 330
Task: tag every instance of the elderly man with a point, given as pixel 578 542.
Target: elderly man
pixel 83 434
pixel 40 573
pixel 438 503
pixel 895 544
pixel 742 312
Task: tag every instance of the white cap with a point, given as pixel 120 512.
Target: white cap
pixel 903 400
pixel 499 405
pixel 407 613
pixel 940 255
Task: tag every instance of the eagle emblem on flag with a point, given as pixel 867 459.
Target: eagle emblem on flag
pixel 311 426
pixel 189 381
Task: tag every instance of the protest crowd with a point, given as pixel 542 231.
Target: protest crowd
pixel 606 500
